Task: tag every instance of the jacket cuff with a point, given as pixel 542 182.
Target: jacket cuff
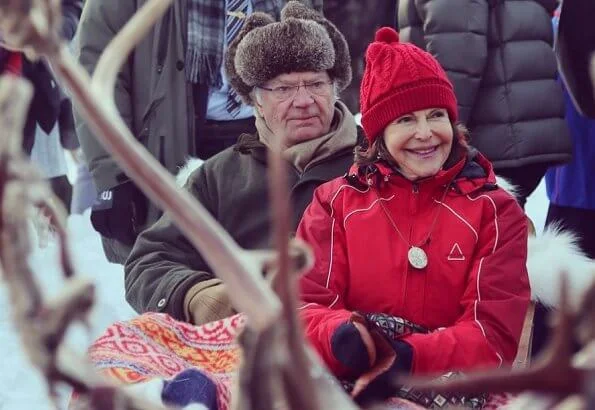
pixel 404 350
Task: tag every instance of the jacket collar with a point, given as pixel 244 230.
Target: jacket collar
pixel 250 144
pixel 472 172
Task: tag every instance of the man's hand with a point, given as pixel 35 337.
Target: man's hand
pixel 207 301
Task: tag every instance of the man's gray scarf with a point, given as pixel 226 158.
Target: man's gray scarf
pixel 206 37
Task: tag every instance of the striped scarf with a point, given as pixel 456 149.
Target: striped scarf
pixel 206 37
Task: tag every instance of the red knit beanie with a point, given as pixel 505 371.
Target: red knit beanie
pixel 400 78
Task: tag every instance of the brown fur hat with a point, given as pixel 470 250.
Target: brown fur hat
pixel 302 41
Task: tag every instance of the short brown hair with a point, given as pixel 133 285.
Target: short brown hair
pixel 378 151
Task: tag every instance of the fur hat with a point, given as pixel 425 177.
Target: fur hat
pixel 400 78
pixel 302 41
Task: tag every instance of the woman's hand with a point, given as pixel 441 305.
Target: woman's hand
pixel 386 359
pixel 353 346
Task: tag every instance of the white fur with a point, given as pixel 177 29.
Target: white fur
pixel 551 254
pixel 507 186
pixel 150 391
pixel 191 165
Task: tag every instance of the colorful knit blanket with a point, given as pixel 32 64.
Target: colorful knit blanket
pixel 180 364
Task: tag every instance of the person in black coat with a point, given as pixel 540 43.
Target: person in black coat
pixel 45 105
pixel 498 55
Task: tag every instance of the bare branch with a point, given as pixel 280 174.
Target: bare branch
pixel 241 273
pixel 41 323
pixel 279 339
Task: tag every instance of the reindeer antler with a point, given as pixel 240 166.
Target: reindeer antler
pixel 553 372
pixel 42 323
pixel 240 269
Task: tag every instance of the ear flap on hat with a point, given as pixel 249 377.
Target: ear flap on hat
pixel 253 21
pixel 341 70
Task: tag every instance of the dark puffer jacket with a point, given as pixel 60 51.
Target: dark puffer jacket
pixel 498 54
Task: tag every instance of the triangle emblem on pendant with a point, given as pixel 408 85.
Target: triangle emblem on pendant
pixel 456 254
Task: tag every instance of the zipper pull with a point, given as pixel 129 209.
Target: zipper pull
pixel 415 188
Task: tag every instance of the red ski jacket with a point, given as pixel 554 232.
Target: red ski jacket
pixel 472 295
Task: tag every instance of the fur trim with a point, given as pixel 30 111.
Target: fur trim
pixel 507 186
pixel 302 41
pixel 185 171
pixel 551 254
pixel 253 21
pixel 279 48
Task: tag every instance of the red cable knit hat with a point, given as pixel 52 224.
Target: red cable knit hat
pixel 400 78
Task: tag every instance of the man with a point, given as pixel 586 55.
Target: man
pixel 498 55
pixel 172 94
pixel 290 71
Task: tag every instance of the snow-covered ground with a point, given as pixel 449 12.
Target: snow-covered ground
pixel 22 388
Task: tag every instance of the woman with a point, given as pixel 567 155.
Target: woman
pixel 420 256
pixel 489 50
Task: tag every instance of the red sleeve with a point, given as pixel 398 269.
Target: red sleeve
pixel 494 303
pixel 14 63
pixel 323 288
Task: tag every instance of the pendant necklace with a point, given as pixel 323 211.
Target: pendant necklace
pixel 417 257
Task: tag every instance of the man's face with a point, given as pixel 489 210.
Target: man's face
pixel 297 114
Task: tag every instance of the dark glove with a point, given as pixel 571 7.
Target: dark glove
pixel 119 213
pixel 380 382
pixel 350 349
pixel 372 357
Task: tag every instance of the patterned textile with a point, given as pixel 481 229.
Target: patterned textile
pixel 206 35
pixel 393 327
pixel 154 346
pixel 157 346
pixel 233 24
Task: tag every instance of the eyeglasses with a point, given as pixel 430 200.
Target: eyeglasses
pixel 285 92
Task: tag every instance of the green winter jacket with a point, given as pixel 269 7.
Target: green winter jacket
pixel 232 185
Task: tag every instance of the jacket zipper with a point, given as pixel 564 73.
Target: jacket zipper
pixel 413 203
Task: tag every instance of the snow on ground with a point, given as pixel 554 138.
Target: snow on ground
pixel 22 388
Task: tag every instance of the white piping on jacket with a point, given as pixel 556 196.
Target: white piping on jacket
pixel 461 218
pixel 496 239
pixel 366 209
pixel 330 266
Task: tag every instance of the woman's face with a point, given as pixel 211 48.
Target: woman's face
pixel 420 142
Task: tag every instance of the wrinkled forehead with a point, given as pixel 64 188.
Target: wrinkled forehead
pixel 300 77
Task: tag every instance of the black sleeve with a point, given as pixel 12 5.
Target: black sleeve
pixel 71 13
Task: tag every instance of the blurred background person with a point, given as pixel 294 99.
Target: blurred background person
pixel 571 188
pixel 498 54
pixel 173 95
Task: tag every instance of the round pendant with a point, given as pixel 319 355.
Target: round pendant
pixel 417 257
